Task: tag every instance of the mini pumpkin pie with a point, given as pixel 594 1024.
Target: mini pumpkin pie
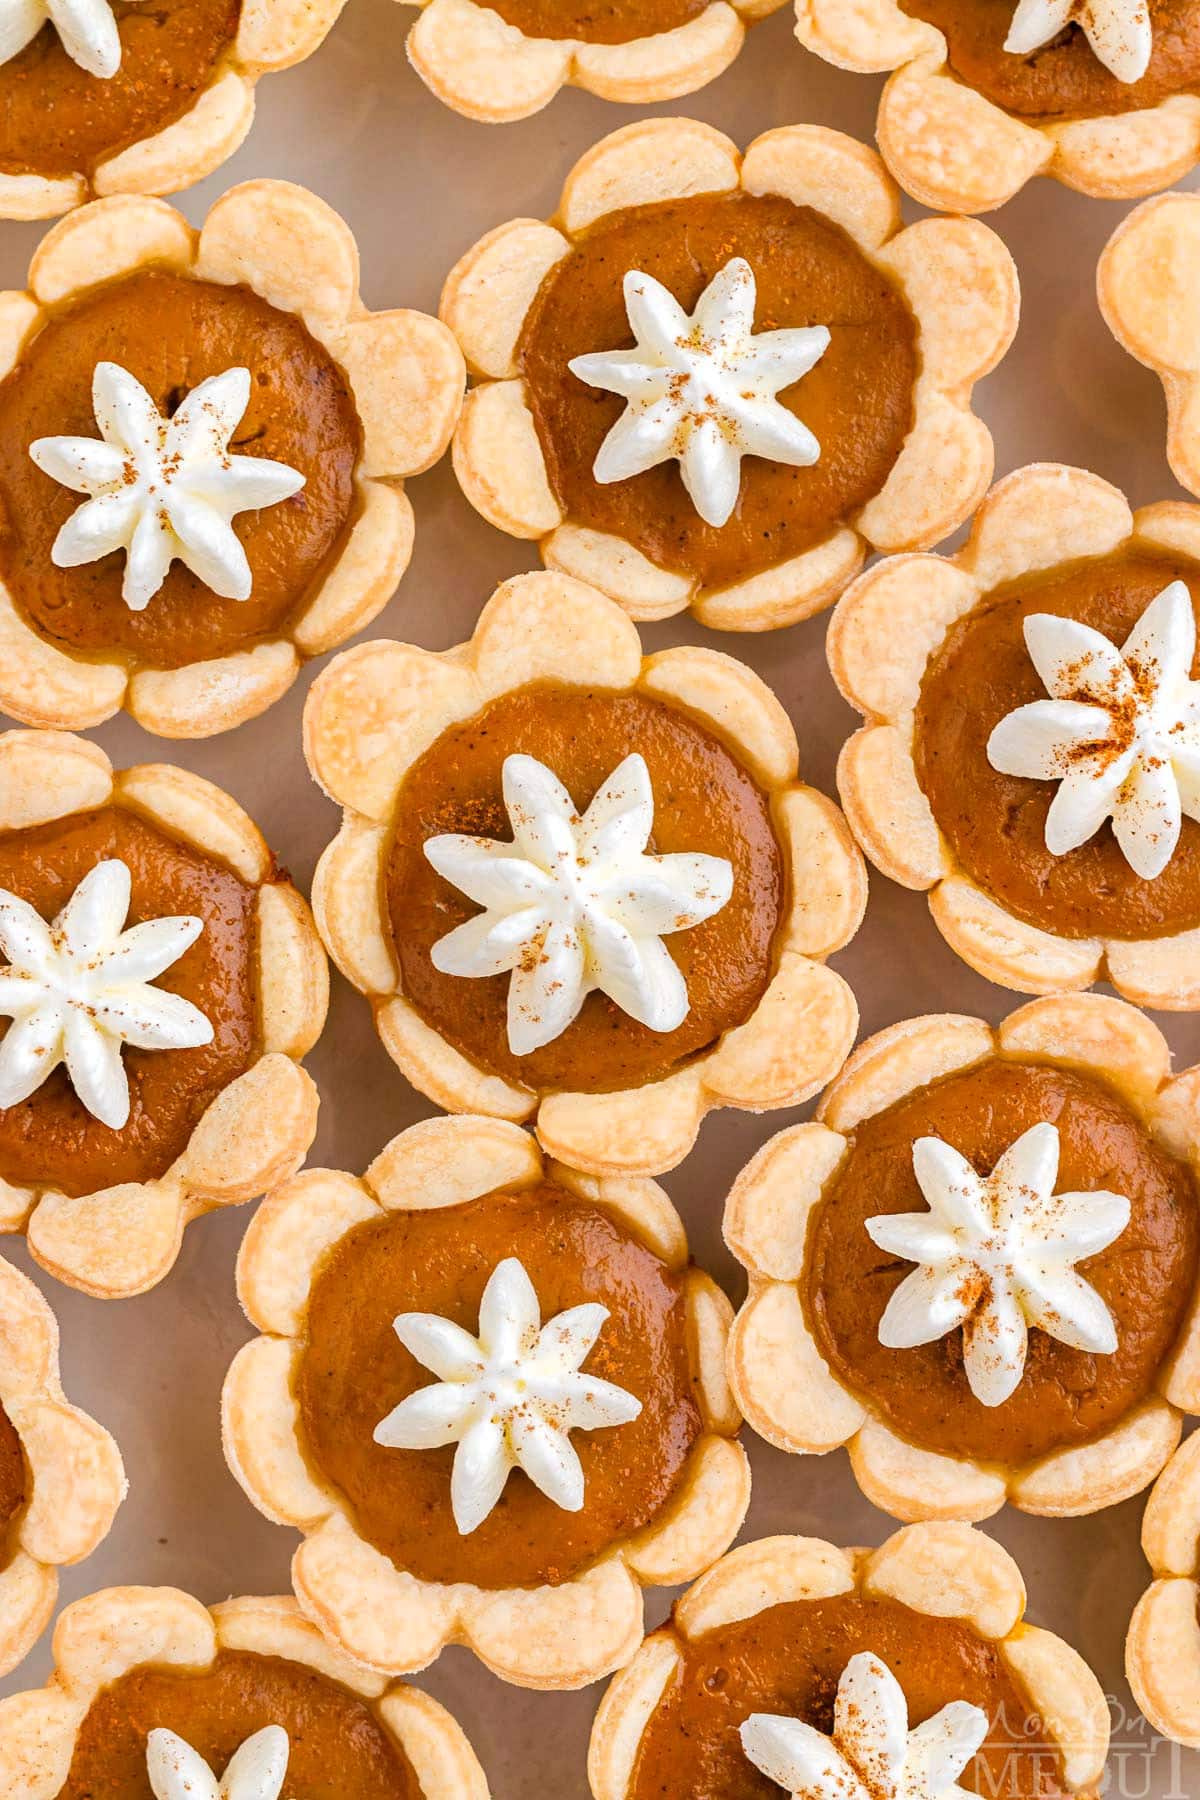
pixel 160 979
pixel 580 883
pixel 119 97
pixel 978 1268
pixel 1032 743
pixel 509 59
pixel 1104 95
pixel 491 1393
pixel 202 443
pixel 834 1674
pixel 61 1477
pixel 1146 293
pixel 1162 1651
pixel 716 380
pixel 155 1697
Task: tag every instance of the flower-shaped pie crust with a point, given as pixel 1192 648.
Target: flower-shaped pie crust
pixel 373 712
pixel 269 38
pixel 956 150
pixel 957 279
pixel 76 1479
pixel 406 380
pixel 543 1637
pixel 1162 1650
pixel 945 1571
pixel 890 626
pixel 111 1633
pixel 782 1381
pixel 1146 282
pixel 121 1240
pixel 481 65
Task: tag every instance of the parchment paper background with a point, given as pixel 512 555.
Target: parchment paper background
pixel 418 185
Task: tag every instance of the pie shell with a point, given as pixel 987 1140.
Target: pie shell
pixel 385 1619
pixel 78 1479
pixel 782 1383
pixel 378 707
pixel 1147 295
pixel 102 1637
pixel 887 627
pixel 1162 1650
pixel 957 151
pixel 487 69
pixel 406 376
pixel 955 274
pixel 945 1570
pixel 271 35
pixel 122 1240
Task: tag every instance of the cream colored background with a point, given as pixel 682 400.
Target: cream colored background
pixel 418 185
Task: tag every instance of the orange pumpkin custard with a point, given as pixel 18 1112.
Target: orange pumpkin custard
pixel 353 1369
pixel 995 824
pixel 1064 78
pixel 608 22
pixel 52 1139
pixel 57 118
pixel 14 1484
pixel 1065 1396
pixel 336 1745
pixel 170 332
pixel 788 1659
pixel 857 399
pixel 705 801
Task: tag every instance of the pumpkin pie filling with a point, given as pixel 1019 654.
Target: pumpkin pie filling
pixel 598 21
pixel 995 824
pixel 51 1139
pixel 172 332
pixel 337 1748
pixel 1065 1396
pixel 705 802
pixel 789 1659
pixel 56 119
pixel 14 1483
pixel 857 399
pixel 1064 79
pixel 353 1369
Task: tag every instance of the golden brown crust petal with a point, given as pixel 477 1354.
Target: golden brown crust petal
pixel 915 1485
pixel 769 1572
pixel 1145 287
pixel 811 165
pixel 1094 1032
pixel 623 1714
pixel 667 64
pixel 188 150
pixel 1069 1483
pixel 949 147
pixel 107 239
pixel 1162 1658
pixel 1171 1522
pixel 872 37
pixel 47 775
pixel 900 1058
pixel 489 291
pixel 293 975
pixel 499 464
pixel 951 1571
pixel 78 1480
pixel 656 159
pixel 1068 1700
pixel 1007 951
pixel 767 1212
pixel 1127 155
pixel 483 67
pixel 782 1382
pixel 886 808
pixel 41 686
pixel 202 698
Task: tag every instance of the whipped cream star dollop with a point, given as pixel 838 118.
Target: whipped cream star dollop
pixel 701 388
pixel 573 904
pixel 79 989
pixel 509 1398
pixel 255 1772
pixel 163 489
pixel 87 30
pixel 1120 735
pixel 1118 30
pixel 996 1255
pixel 871 1755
